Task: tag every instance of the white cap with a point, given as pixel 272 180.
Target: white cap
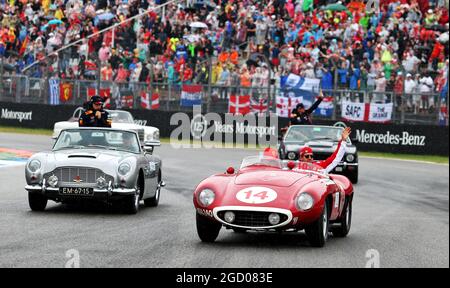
pixel 408 75
pixel 430 11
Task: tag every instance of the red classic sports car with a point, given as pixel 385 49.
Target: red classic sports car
pixel 266 196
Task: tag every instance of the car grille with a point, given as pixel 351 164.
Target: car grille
pixel 252 218
pixel 141 134
pixel 79 176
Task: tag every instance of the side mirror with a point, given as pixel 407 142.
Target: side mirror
pixel 149 146
pixel 291 165
pixel 230 171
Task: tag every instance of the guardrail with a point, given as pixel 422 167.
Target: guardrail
pixel 406 107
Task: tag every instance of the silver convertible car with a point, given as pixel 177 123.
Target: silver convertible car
pixel 101 164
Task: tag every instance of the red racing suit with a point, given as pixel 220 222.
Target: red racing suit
pixel 331 162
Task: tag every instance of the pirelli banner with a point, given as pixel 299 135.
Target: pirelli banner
pixel 376 137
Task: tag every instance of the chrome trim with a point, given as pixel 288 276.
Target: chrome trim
pixel 253 209
pixel 41 188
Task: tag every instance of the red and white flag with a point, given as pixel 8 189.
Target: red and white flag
pixel 104 93
pixel 147 103
pixel 286 104
pixel 259 107
pixel 239 104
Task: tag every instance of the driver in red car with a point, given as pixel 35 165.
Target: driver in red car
pixel 306 153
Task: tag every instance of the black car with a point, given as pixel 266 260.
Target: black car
pixel 323 140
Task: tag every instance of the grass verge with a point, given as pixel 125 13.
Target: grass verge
pixel 424 158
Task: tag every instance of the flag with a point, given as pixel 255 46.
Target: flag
pixel 91 92
pixel 259 107
pixel 286 104
pixel 191 95
pixel 65 92
pixel 24 45
pixel 106 95
pixel 239 104
pixel 150 104
pixel 126 101
pixel 325 108
pixel 54 91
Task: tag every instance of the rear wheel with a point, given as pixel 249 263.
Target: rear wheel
pixel 207 230
pixel 37 202
pixel 317 232
pixel 345 222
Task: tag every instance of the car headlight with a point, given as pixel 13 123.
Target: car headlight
pixel 291 155
pixel 34 165
pixel 124 169
pixel 156 135
pixel 350 158
pixel 305 201
pixel 206 197
pixel 101 182
pixel 53 181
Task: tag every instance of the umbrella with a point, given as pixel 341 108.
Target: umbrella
pixel 55 22
pixel 335 7
pixel 198 25
pixel 106 16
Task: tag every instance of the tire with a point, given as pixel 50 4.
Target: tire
pixel 37 202
pixel 353 177
pixel 345 222
pixel 317 232
pixel 154 201
pixel 207 230
pixel 131 203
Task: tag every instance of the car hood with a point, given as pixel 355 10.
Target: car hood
pixel 277 178
pixel 104 160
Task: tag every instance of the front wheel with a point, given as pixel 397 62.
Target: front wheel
pixel 207 230
pixel 37 202
pixel 317 232
pixel 154 201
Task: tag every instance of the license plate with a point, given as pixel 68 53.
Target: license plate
pixel 76 191
pixel 339 169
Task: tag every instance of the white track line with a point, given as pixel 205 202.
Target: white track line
pixel 403 160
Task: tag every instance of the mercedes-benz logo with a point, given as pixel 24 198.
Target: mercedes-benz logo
pixel 340 124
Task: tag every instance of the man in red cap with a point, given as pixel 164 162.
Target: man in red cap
pixel 270 152
pixel 306 153
pixel 95 116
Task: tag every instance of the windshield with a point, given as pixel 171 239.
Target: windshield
pixel 98 139
pixel 312 133
pixel 261 161
pixel 121 117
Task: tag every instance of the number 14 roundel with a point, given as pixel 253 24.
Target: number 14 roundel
pixel 256 195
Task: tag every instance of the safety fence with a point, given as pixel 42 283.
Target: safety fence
pixel 403 108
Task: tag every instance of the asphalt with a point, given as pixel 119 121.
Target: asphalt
pixel 401 211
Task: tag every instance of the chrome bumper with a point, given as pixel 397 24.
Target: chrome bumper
pixel 110 191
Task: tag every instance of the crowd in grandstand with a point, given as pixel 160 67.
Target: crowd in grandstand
pixel 400 47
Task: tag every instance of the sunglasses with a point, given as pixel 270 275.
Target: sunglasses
pixel 308 156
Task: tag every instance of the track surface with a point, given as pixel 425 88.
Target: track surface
pixel 401 209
